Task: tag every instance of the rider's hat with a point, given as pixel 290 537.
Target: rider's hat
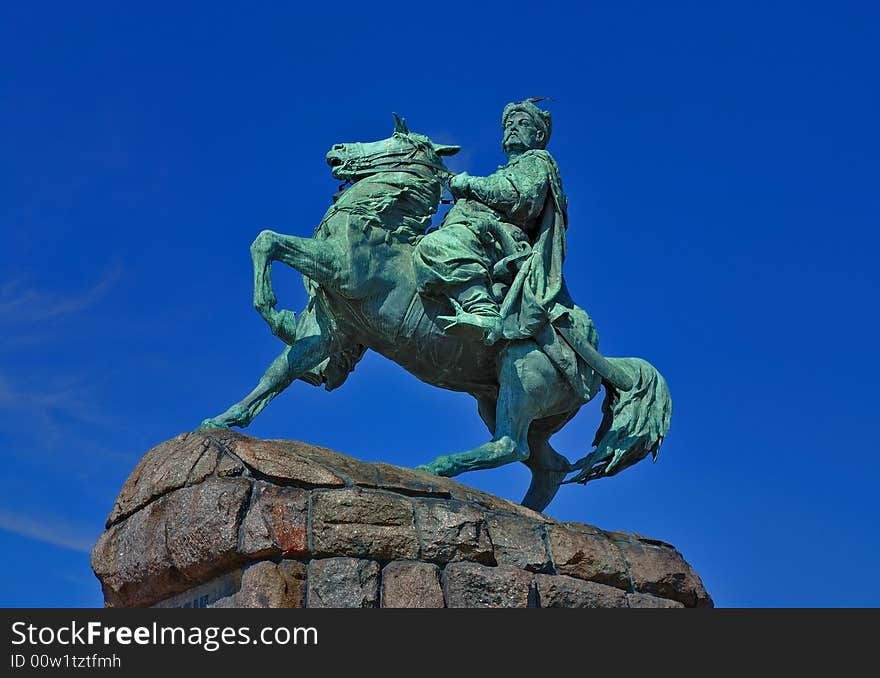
pixel 540 116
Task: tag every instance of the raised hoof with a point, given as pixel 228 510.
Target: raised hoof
pixel 283 325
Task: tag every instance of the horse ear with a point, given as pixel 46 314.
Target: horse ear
pixel 443 149
pixel 400 125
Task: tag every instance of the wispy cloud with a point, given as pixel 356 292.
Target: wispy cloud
pixel 23 305
pixel 66 396
pixel 50 402
pixel 60 428
pixel 48 530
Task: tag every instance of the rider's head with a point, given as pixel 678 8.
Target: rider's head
pixel 526 127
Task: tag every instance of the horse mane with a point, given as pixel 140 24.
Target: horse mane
pixel 398 201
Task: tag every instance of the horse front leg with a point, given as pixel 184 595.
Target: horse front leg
pixel 303 355
pixel 318 260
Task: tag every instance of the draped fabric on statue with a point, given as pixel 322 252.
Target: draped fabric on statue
pixel 538 296
pixel 531 300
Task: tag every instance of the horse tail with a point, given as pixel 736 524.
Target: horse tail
pixel 634 423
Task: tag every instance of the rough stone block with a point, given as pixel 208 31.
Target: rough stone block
pixel 646 600
pixel 562 591
pixel 131 561
pixel 214 593
pixel 343 582
pixel 276 522
pixel 229 467
pixel 363 524
pixel 269 584
pixel 585 528
pixel 176 542
pixel 186 459
pixel 518 541
pixel 356 471
pixel 451 530
pixel 279 461
pixel 202 524
pixel 411 584
pixel 661 571
pixel 407 481
pixel 587 556
pixel 474 585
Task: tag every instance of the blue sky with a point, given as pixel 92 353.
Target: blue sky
pixel 721 165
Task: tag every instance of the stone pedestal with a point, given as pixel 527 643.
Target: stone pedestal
pixel 220 519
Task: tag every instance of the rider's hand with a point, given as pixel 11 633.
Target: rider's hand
pixel 458 184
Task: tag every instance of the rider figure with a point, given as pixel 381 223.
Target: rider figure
pixel 498 253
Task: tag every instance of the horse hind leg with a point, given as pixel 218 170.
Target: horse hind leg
pixel 548 467
pixel 528 389
pixel 507 445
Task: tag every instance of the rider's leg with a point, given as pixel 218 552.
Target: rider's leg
pixel 454 261
pixel 477 317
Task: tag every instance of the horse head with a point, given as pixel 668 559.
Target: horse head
pixel 403 151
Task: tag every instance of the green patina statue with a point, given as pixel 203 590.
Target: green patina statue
pixel 478 305
pixel 495 230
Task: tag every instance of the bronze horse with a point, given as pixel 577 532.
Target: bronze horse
pixel 358 272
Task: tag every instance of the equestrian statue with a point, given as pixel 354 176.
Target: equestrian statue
pixel 478 305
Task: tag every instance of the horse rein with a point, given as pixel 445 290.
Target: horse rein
pixel 363 165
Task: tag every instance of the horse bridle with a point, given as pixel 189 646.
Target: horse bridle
pixel 363 166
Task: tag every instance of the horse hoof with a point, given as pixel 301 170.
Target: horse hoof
pixel 428 468
pixel 209 424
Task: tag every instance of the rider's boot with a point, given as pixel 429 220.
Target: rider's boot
pixel 476 314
